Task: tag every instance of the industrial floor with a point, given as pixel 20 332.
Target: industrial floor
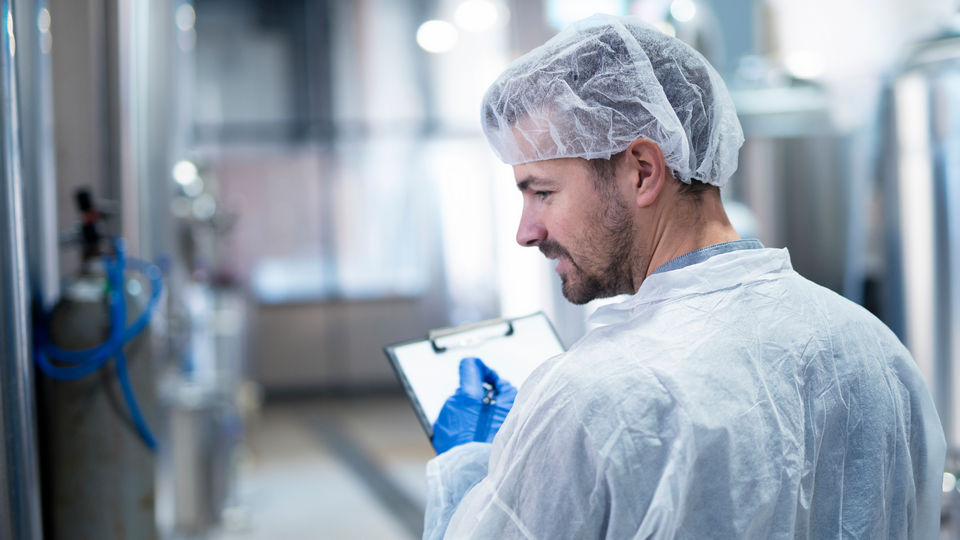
pixel 331 468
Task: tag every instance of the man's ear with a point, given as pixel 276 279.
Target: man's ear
pixel 648 170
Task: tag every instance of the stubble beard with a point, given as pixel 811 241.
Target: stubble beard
pixel 610 238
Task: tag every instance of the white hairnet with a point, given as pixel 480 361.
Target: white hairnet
pixel 605 81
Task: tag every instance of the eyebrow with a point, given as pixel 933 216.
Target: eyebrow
pixel 524 184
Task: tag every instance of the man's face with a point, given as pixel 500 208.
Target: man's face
pixel 588 231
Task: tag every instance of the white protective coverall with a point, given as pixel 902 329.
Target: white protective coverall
pixel 727 399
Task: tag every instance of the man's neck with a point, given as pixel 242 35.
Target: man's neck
pixel 686 226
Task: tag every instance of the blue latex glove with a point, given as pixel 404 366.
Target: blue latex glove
pixel 476 410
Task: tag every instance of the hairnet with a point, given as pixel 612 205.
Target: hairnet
pixel 605 81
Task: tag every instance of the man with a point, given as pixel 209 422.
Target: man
pixel 728 397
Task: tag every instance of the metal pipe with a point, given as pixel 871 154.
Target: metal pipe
pixel 19 497
pixel 32 24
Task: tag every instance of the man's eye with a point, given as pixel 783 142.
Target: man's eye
pixel 541 194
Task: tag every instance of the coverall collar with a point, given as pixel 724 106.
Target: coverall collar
pixel 725 268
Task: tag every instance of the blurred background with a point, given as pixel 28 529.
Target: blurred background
pixel 299 183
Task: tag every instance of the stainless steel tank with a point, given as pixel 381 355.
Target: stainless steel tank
pixel 920 168
pixel 920 173
pixel 794 175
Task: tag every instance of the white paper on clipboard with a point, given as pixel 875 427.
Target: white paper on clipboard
pixel 429 368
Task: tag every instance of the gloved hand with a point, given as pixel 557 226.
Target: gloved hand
pixel 476 410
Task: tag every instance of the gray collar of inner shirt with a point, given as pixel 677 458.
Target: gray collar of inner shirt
pixel 702 254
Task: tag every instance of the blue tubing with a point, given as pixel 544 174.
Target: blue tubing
pixel 90 360
pixel 103 351
pixel 121 361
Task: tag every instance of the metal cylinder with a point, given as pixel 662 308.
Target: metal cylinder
pixel 922 217
pixel 99 474
pixel 19 496
pixel 196 465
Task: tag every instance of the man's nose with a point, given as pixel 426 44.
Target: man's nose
pixel 531 231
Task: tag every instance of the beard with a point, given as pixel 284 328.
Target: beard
pixel 602 267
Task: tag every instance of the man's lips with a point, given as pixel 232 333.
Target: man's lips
pixel 555 252
pixel 551 251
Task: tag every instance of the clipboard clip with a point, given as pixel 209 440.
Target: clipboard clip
pixel 435 335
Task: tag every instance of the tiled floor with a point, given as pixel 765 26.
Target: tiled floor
pixel 333 469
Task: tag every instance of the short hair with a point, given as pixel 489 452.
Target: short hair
pixel 604 170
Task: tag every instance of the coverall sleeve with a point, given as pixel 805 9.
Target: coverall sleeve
pixel 578 463
pixel 449 476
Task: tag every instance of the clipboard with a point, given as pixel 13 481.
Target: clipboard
pixel 429 369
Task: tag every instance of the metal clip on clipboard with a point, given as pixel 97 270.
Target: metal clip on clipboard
pixel 465 340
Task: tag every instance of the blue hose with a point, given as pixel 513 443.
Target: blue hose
pixel 86 361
